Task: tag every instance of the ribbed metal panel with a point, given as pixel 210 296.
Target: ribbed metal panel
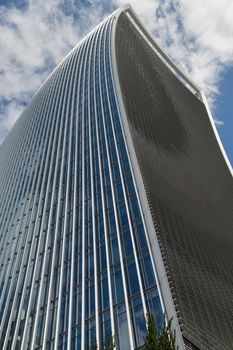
pixel 188 185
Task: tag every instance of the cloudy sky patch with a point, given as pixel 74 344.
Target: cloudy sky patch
pixel 36 35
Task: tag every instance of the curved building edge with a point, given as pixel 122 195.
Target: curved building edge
pixel 192 86
pixel 160 273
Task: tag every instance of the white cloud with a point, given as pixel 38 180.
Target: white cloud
pixel 9 117
pixel 210 24
pixel 33 40
pixel 218 122
pixel 197 35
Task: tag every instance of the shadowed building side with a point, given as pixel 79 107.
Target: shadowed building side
pixel 188 185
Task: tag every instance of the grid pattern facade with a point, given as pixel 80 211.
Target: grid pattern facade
pixel 188 185
pixel 75 259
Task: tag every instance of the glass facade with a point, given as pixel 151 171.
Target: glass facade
pixel 75 260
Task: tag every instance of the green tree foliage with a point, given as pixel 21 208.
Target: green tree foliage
pixel 151 339
pixel 108 345
pixel 95 346
pixel 162 339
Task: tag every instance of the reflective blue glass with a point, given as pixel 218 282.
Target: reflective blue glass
pixel 72 234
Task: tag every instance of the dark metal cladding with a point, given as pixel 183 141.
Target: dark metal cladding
pixel 189 189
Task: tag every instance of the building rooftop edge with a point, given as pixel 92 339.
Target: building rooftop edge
pixel 193 87
pixel 128 8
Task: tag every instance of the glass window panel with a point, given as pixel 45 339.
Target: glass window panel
pixel 118 284
pixel 123 332
pixel 127 242
pixel 132 276
pixel 148 269
pixel 141 237
pixel 139 321
pixel 104 291
pixel 155 306
pixel 123 215
pixel 135 208
pixel 114 250
pixel 103 256
pixel 119 191
pixel 106 326
pixel 111 221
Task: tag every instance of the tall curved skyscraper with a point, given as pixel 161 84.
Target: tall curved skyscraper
pixel 116 201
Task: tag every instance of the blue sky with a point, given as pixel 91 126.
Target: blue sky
pixel 224 111
pixel 37 34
